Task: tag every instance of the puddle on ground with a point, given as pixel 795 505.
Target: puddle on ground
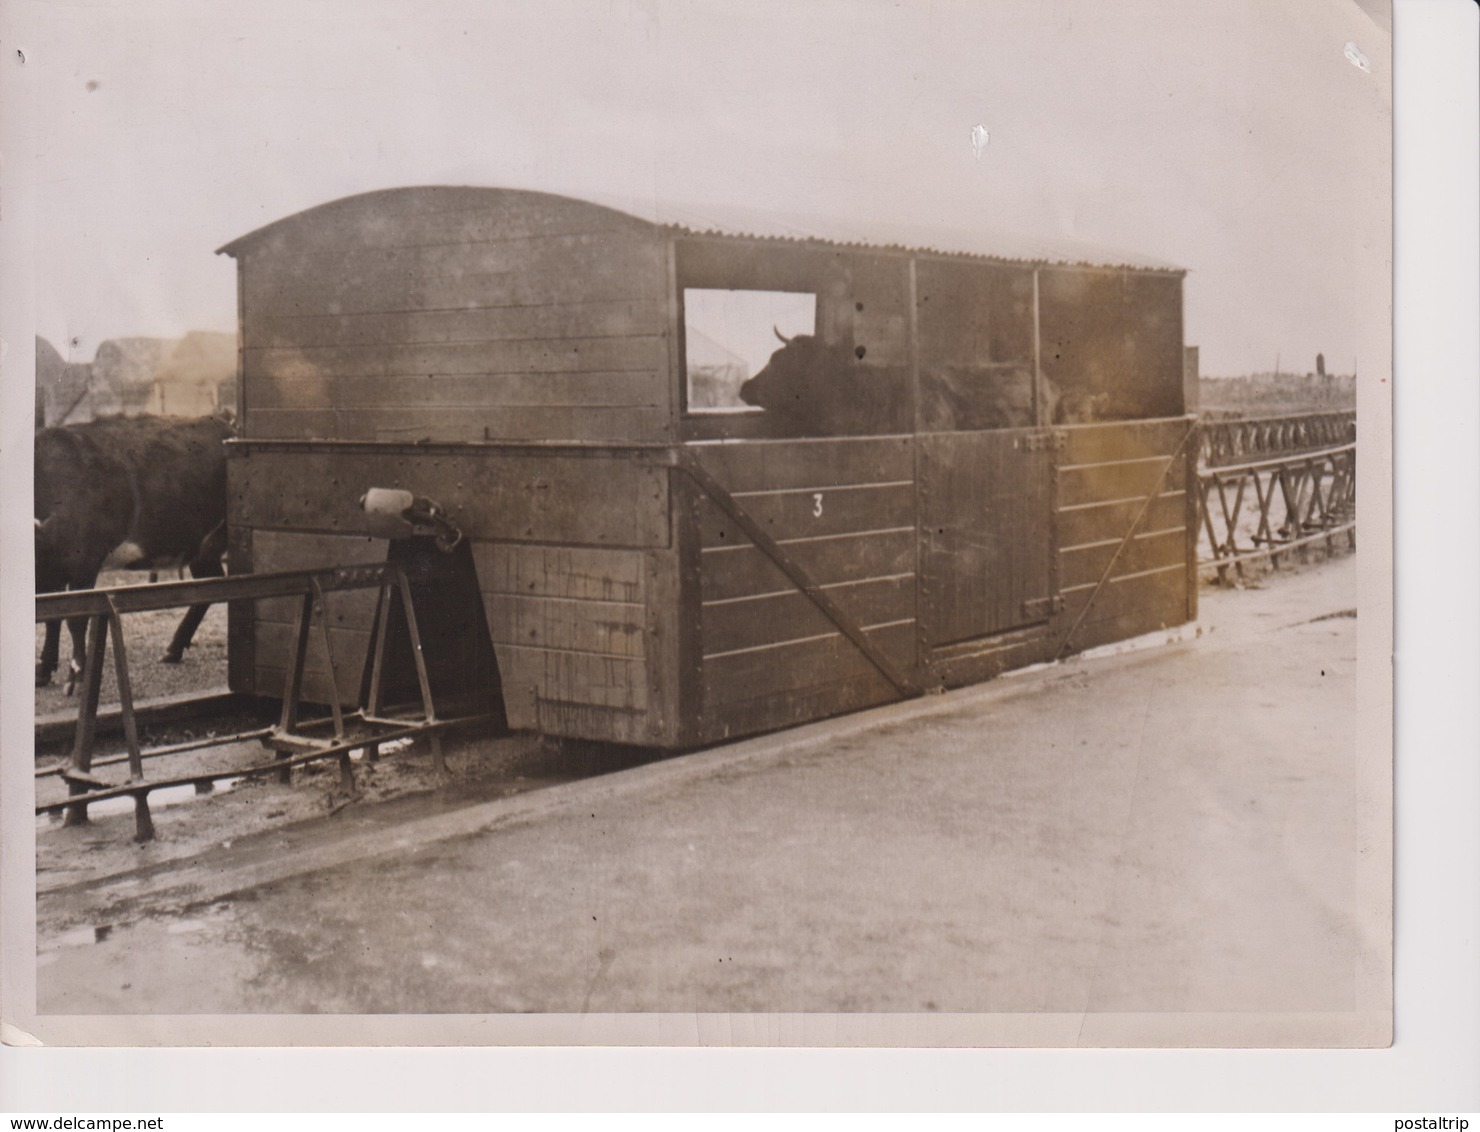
pixel 158 799
pixel 389 747
pixel 196 922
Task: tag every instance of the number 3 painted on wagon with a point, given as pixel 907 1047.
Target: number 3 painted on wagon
pixel 817 505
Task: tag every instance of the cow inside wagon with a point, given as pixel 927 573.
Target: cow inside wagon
pixel 713 480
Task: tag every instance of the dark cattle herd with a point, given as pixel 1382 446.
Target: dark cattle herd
pixel 140 493
pixel 810 388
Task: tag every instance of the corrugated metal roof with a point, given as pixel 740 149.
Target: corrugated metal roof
pixel 891 235
pixel 725 220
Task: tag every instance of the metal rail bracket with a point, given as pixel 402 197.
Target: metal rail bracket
pixel 367 727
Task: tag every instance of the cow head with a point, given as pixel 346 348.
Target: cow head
pixel 796 381
pixel 811 388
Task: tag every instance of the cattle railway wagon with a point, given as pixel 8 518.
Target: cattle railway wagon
pixel 660 560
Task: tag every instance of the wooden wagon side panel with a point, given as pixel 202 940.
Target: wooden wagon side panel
pixel 576 631
pixel 1107 473
pixel 1114 334
pixel 487 492
pixel 1104 475
pixel 572 554
pixel 842 510
pixel 407 317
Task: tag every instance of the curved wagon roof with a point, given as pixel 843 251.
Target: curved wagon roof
pixel 384 208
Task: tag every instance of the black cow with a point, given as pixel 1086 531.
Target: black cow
pixel 810 388
pixel 1001 396
pixel 141 493
pixel 968 398
pixel 1081 407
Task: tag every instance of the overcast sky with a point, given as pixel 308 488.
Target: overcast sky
pixel 1237 138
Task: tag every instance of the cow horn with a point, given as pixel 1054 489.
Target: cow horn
pixel 785 341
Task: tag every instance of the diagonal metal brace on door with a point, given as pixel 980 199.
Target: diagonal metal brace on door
pixel 1063 647
pixel 690 466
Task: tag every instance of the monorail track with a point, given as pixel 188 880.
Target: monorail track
pixel 293 741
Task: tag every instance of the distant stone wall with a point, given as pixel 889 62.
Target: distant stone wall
pixel 193 376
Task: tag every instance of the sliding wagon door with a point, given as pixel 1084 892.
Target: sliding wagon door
pixel 986 554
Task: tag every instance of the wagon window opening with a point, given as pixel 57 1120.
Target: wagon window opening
pixel 730 335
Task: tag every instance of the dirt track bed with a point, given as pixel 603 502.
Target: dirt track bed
pixel 1171 831
pixel 400 787
pixel 397 788
pixel 186 824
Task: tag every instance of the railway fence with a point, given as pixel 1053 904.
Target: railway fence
pixel 1232 441
pixel 1272 487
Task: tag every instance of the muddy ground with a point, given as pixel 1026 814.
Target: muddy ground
pixel 1172 830
pixel 479 768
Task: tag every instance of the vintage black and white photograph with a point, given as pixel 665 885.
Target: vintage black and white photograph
pixel 705 523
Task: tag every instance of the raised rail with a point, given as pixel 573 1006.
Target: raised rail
pixel 1225 443
pixel 290 740
pixel 1266 509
